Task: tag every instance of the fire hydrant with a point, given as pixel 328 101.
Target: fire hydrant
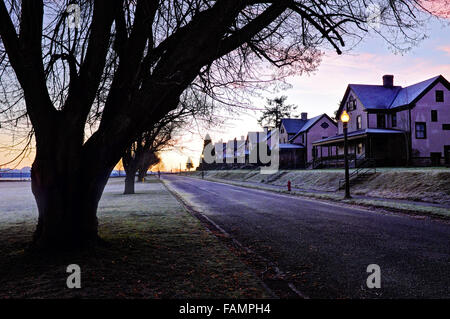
pixel 289 186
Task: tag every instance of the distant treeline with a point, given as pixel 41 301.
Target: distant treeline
pixel 26 175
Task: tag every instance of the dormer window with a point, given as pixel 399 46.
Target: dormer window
pixel 351 104
pixel 439 96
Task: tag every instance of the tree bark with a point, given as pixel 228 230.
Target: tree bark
pixel 67 197
pixel 129 181
pixel 142 172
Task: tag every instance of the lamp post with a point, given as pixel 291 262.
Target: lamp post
pixel 203 164
pixel 345 118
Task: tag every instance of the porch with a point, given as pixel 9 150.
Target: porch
pixel 383 147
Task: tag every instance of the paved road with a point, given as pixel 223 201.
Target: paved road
pixel 326 248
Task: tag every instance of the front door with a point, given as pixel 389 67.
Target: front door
pixel 447 154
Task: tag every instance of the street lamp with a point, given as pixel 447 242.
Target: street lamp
pixel 203 164
pixel 345 118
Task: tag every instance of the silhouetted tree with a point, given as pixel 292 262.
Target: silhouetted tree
pixel 275 110
pixel 143 153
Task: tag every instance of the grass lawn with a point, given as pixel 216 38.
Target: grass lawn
pixel 157 251
pixel 420 184
pixel 392 205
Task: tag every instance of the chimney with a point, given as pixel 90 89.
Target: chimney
pixel 304 116
pixel 388 81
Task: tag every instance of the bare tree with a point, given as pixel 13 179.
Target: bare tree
pixel 194 106
pixel 126 66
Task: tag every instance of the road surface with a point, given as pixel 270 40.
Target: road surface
pixel 326 248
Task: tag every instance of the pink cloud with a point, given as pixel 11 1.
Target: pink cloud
pixel 446 49
pixel 439 8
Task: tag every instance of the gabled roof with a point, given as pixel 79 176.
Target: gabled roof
pixel 375 96
pixel 379 97
pixel 310 123
pixel 292 126
pixel 410 93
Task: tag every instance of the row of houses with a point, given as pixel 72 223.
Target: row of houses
pixel 389 125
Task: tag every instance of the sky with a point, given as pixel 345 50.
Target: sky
pixel 319 92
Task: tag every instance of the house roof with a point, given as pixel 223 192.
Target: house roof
pixel 408 94
pixel 289 146
pixel 379 97
pixel 375 96
pixel 292 126
pixel 310 123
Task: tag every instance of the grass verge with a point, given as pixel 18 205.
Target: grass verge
pixel 415 209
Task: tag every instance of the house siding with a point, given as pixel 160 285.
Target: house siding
pixel 283 134
pixel 315 133
pixel 359 110
pixel 436 137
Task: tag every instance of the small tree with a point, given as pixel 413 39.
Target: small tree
pixel 275 110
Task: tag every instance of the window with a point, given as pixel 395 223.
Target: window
pixel 324 125
pixel 439 96
pixel 358 122
pixel 351 104
pixel 360 148
pixel 434 116
pixel 446 127
pixel 381 121
pixel 421 130
pixel 394 120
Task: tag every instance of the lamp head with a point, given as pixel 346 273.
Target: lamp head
pixel 345 117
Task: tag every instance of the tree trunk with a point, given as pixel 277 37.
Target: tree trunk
pixel 141 174
pixel 129 181
pixel 67 198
